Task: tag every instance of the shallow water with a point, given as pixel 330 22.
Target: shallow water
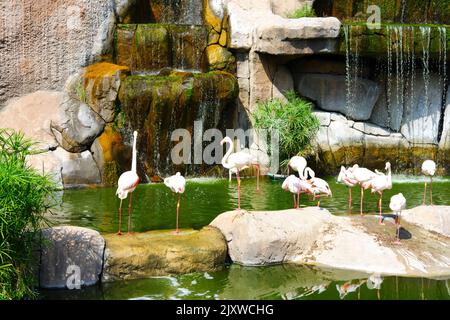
pixel 154 208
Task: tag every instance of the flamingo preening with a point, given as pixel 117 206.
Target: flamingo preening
pixel 318 185
pixel 128 181
pixel 296 186
pixel 363 177
pixel 397 204
pixel 236 162
pixel 346 176
pixel 298 164
pixel 176 183
pixel 428 169
pixel 380 183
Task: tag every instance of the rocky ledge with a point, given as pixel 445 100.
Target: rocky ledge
pixel 313 236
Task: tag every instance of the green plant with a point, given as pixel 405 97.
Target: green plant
pixel 307 11
pixel 294 120
pixel 25 195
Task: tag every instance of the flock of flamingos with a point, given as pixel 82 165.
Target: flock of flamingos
pixel 306 182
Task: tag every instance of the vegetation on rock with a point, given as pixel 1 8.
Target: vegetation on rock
pixel 25 195
pixel 306 11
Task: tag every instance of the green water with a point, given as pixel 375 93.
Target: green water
pixel 154 208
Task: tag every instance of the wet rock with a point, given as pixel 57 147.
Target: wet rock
pixel 330 93
pixel 70 254
pixel 79 169
pixel 219 58
pixel 157 253
pixel 433 218
pixel 313 236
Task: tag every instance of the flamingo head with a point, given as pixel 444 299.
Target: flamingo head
pixel 388 166
pixel 135 133
pixel 225 140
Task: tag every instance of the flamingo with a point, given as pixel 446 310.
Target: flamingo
pixel 176 183
pixel 296 186
pixel 252 162
pixel 428 169
pixel 236 162
pixel 397 204
pixel 127 183
pixel 381 183
pixel 298 164
pixel 319 186
pixel 363 177
pixel 346 176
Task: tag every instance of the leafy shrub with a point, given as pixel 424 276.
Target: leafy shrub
pixel 294 120
pixel 307 11
pixel 25 195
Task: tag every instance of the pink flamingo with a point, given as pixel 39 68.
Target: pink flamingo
pixel 346 177
pixel 298 164
pixel 397 204
pixel 363 176
pixel 236 162
pixel 127 183
pixel 176 183
pixel 296 186
pixel 319 186
pixel 428 169
pixel 381 183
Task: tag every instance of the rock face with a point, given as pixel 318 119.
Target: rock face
pixel 72 256
pixel 433 218
pixel 314 236
pixel 157 253
pixel 330 93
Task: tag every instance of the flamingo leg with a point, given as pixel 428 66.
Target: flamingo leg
pixel 178 211
pixel 120 218
pixel 431 190
pixel 361 204
pixel 257 177
pixel 239 189
pixel 129 213
pixel 397 224
pixel 424 192
pixel 295 202
pixel 349 198
pixel 379 207
pixel 298 200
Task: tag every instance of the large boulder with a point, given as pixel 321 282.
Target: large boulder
pixel 157 253
pixel 313 236
pixel 70 257
pixel 330 93
pixel 433 218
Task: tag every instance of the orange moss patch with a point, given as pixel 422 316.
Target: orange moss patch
pixel 103 69
pixel 108 140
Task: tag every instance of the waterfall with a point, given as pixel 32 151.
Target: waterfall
pixel 426 38
pixel 352 68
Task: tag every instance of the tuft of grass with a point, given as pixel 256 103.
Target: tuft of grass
pixel 25 195
pixel 307 11
pixel 294 120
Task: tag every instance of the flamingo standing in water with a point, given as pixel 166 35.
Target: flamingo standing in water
pixel 176 183
pixel 397 204
pixel 363 177
pixel 236 162
pixel 380 183
pixel 253 162
pixel 428 169
pixel 318 185
pixel 298 164
pixel 128 181
pixel 346 176
pixel 296 186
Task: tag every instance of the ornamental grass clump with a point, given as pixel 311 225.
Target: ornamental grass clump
pixel 25 196
pixel 294 120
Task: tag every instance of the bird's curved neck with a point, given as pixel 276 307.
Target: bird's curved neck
pixel 227 155
pixel 133 163
pixel 389 176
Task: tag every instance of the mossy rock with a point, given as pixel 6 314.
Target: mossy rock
pixel 159 253
pixel 219 58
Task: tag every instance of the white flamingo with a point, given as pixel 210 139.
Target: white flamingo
pixel 428 169
pixel 363 176
pixel 176 183
pixel 237 161
pixel 296 186
pixel 381 183
pixel 397 204
pixel 318 185
pixel 298 164
pixel 128 181
pixel 252 162
pixel 346 177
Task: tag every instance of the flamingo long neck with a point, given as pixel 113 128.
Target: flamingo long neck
pixel 227 155
pixel 133 163
pixel 389 176
pixel 303 172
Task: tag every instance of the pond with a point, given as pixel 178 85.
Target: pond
pixel 204 199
